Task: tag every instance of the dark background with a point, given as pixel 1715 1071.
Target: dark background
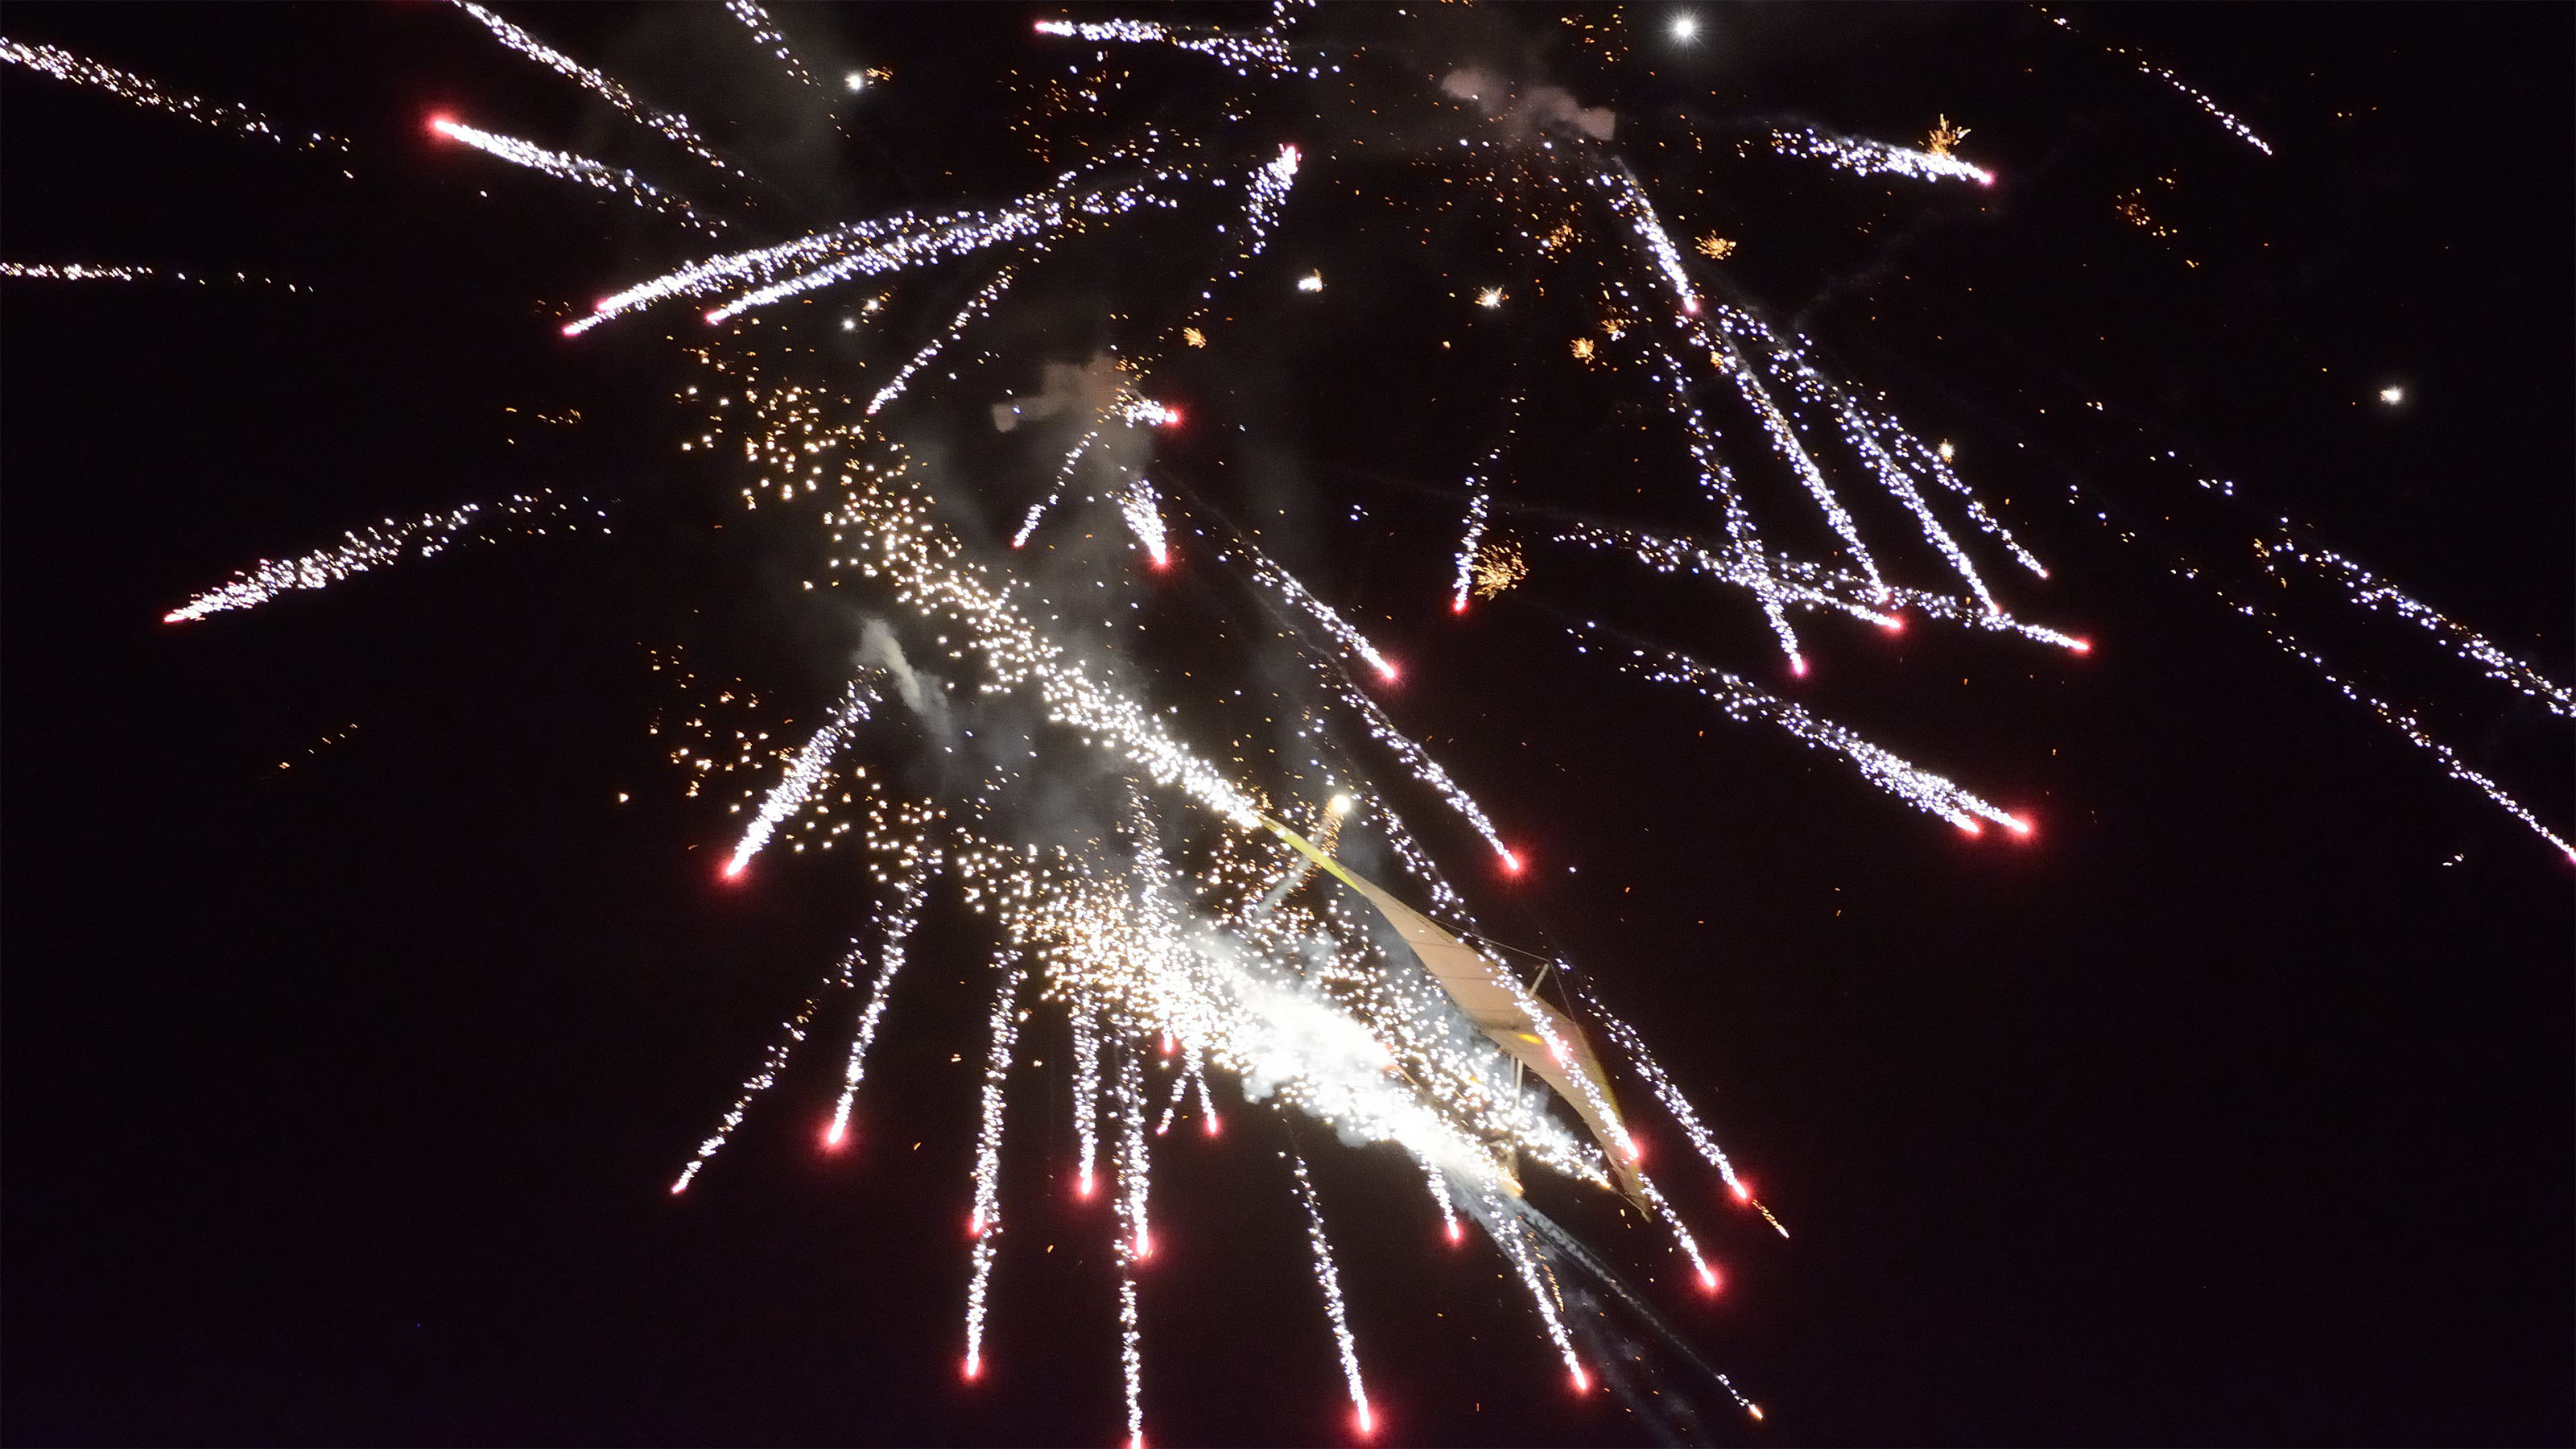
pixel 340 1100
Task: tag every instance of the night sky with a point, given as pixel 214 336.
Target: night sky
pixel 2237 1107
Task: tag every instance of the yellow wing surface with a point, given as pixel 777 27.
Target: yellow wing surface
pixel 1495 1008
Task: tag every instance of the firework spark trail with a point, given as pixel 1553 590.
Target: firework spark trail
pixel 763 1077
pixel 805 774
pixel 1141 506
pixel 1424 768
pixel 976 307
pixel 1573 1251
pixel 1813 585
pixel 379 545
pixel 1246 55
pixel 2368 590
pixel 764 30
pixel 1331 1281
pixel 1681 1232
pixel 1480 502
pixel 1264 193
pixel 1135 1240
pixel 761 265
pixel 1670 1094
pixel 1470 539
pixel 74 272
pixel 1287 586
pixel 2146 67
pixel 63 65
pixel 894 934
pixel 1438 1183
pixel 1740 701
pixel 1628 201
pixel 1063 477
pixel 1736 325
pixel 944 238
pixel 564 166
pixel 1892 476
pixel 1933 463
pixel 1086 1096
pixel 132 272
pixel 674 128
pixel 984 1222
pixel 1502 1224
pixel 1719 483
pixel 1876 158
pixel 2404 722
pixel 1774 582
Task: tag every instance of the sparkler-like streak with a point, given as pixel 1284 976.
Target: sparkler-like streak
pixel 1877 158
pixel 976 306
pixel 1197 922
pixel 73 272
pixel 63 65
pixel 1330 1279
pixel 673 128
pixel 894 933
pixel 1480 503
pixel 764 30
pixel 805 774
pixel 2146 67
pixel 564 166
pixel 1741 701
pixel 984 1222
pixel 380 545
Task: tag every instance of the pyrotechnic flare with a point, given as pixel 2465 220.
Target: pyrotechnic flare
pixel 564 166
pixel 380 545
pixel 1181 932
pixel 1867 158
pixel 62 65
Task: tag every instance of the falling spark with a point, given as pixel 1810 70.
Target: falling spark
pixel 380 545
pixel 564 166
pixel 805 775
pixel 1331 1282
pixel 1873 158
pixel 674 128
pixel 63 65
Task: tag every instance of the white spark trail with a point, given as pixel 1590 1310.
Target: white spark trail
pixel 1741 701
pixel 976 307
pixel 378 545
pixel 1330 1280
pixel 984 1222
pixel 894 933
pixel 63 65
pixel 1876 158
pixel 565 166
pixel 764 29
pixel 674 128
pixel 805 774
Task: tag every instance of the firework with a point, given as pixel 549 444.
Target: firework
pixel 1878 158
pixel 564 166
pixel 62 65
pixel 677 129
pixel 1203 932
pixel 381 545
